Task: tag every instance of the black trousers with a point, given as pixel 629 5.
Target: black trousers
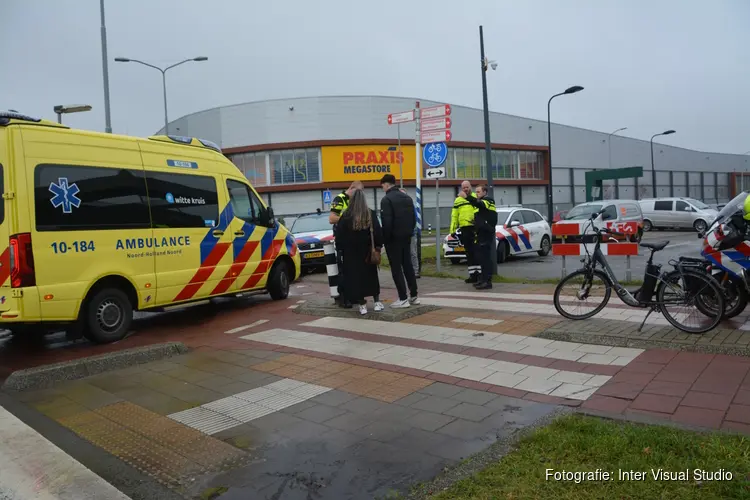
pixel 399 256
pixel 340 263
pixel 484 254
pixel 468 240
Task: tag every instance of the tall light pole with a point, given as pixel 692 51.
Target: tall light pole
pixel 70 108
pixel 105 71
pixel 163 79
pixel 609 144
pixel 487 144
pixel 569 90
pixel 653 170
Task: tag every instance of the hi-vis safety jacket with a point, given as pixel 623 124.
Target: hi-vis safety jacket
pixel 463 213
pixel 340 203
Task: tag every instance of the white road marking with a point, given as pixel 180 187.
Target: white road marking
pixel 634 315
pixel 247 406
pixel 31 467
pixel 501 373
pixel 534 346
pixel 247 327
pixel 295 306
pixel 477 321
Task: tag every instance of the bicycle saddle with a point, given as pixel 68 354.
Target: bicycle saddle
pixel 656 246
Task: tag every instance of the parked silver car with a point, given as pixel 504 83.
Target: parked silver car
pixel 683 213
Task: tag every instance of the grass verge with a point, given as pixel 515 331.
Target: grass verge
pixel 578 443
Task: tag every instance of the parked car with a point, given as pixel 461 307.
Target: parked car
pixel 559 215
pixel 519 231
pixel 616 211
pixel 682 213
pixel 311 232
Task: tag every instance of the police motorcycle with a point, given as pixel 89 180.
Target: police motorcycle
pixel 726 254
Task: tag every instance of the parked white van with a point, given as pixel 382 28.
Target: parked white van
pixel 682 213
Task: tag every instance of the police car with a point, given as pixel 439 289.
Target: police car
pixel 519 231
pixel 311 232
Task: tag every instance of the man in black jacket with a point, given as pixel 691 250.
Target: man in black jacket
pixel 485 221
pixel 398 221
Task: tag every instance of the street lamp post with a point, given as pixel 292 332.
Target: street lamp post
pixel 487 144
pixel 163 79
pixel 570 90
pixel 609 144
pixel 105 70
pixel 61 109
pixel 653 170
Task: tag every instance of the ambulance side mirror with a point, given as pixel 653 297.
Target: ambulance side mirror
pixel 266 217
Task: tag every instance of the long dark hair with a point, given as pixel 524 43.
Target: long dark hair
pixel 359 211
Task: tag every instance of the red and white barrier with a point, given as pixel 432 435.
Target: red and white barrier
pixel 575 230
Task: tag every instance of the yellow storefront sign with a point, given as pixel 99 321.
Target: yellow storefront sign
pixel 366 163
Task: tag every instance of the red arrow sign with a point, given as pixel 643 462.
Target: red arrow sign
pixel 435 136
pixel 402 117
pixel 435 124
pixel 436 111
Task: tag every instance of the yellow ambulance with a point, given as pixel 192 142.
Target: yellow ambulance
pixel 95 226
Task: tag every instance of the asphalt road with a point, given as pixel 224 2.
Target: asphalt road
pixel 532 266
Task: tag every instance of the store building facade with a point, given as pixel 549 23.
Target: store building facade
pixel 292 150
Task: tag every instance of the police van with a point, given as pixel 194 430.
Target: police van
pixel 95 226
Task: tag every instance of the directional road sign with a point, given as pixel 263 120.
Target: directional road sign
pixel 435 124
pixel 434 173
pixel 435 154
pixel 402 117
pixel 435 136
pixel 436 111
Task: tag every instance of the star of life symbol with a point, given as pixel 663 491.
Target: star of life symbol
pixel 436 153
pixel 64 195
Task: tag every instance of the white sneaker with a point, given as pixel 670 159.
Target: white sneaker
pixel 400 304
pixel 379 306
pixel 414 300
pixel 363 309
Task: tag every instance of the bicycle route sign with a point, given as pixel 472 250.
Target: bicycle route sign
pixel 435 154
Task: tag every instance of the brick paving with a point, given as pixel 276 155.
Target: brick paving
pixel 374 408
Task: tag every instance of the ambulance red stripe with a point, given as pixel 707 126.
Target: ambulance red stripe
pixel 204 272
pixel 268 258
pixel 237 267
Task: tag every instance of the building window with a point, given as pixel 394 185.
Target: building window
pixel 70 198
pixel 295 166
pixel 252 166
pixel 510 165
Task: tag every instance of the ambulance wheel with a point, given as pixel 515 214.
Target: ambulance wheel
pixel 278 281
pixel 502 252
pixel 109 315
pixel 545 247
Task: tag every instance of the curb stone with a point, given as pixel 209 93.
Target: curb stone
pixel 45 376
pixel 641 343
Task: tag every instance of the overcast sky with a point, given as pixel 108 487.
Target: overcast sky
pixel 646 65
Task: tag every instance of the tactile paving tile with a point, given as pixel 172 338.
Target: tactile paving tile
pixel 307 391
pixel 280 401
pixel 284 385
pixel 225 404
pixel 207 421
pixel 250 412
pixel 254 395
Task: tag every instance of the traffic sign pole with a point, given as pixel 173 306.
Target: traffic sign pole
pixel 418 149
pixel 437 222
pixel 400 162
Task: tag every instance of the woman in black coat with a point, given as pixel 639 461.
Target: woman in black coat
pixel 354 243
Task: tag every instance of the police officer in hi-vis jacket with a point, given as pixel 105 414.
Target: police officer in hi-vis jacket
pixel 462 217
pixel 339 205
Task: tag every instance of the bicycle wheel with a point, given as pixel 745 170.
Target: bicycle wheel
pixel 682 295
pixel 577 288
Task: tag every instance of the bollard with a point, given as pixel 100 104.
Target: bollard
pixel 628 273
pixel 332 268
pixel 564 270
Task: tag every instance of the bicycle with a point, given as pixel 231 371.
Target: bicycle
pixel 686 286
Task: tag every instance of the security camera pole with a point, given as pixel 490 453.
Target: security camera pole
pixel 487 143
